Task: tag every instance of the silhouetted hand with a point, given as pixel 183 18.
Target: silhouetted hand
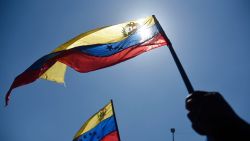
pixel 211 115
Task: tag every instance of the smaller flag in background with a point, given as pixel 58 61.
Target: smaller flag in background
pixel 101 126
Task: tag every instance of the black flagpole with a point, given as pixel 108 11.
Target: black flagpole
pixel 115 119
pixel 176 59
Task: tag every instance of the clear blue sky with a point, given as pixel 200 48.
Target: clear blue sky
pixel 211 38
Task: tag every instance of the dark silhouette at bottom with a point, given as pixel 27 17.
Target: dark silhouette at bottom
pixel 212 116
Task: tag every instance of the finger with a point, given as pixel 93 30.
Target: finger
pixel 194 100
pixel 196 95
pixel 199 129
pixel 193 103
pixel 199 92
pixel 192 117
pixel 197 123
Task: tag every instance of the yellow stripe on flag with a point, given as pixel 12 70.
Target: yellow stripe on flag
pixel 55 73
pixel 103 114
pixel 104 35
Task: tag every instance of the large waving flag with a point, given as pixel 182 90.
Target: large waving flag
pixel 95 49
pixel 100 127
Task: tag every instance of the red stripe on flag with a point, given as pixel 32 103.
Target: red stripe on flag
pixel 82 62
pixel 113 136
pixel 27 77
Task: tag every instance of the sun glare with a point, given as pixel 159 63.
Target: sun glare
pixel 145 33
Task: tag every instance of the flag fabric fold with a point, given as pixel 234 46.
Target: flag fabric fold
pixel 95 49
pixel 101 126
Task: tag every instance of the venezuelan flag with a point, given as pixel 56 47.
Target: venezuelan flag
pixel 96 49
pixel 100 127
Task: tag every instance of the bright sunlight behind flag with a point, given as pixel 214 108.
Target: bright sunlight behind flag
pixel 95 49
pixel 100 127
